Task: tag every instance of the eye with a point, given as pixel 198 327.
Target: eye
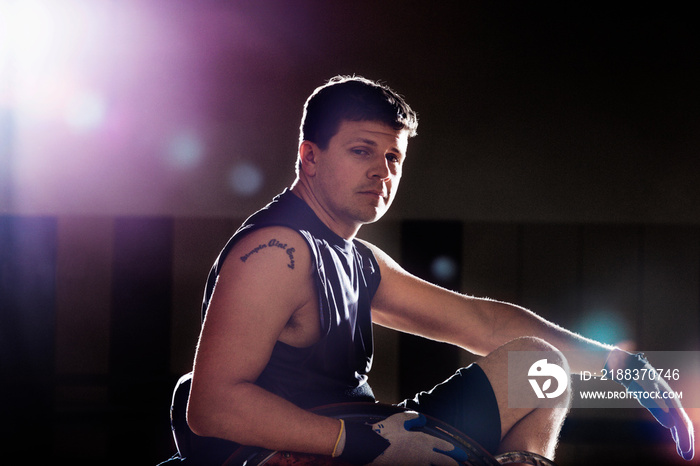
pixel 393 158
pixel 360 151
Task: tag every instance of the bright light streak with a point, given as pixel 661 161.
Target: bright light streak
pixel 30 29
pixel 44 45
pixel 101 94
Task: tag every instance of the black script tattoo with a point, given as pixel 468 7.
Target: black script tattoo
pixel 273 243
pixel 290 253
pixel 255 250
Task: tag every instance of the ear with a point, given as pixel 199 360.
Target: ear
pixel 308 153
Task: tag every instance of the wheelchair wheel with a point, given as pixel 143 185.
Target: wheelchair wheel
pixel 523 457
pixel 369 413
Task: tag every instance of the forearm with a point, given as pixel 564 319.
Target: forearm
pixel 506 322
pixel 247 414
pixel 479 325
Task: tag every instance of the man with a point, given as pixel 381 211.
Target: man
pixel 291 301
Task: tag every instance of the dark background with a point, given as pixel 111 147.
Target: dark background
pixel 556 166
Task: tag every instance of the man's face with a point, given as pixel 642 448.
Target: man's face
pixel 358 174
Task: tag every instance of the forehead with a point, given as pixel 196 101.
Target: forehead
pixel 374 132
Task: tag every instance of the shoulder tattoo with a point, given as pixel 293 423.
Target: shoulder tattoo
pixel 273 244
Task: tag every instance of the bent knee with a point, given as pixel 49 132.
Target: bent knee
pixel 535 345
pixel 517 360
pixel 529 344
pixel 538 356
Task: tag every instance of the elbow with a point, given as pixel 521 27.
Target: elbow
pixel 206 416
pixel 199 418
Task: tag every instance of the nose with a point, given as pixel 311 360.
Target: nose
pixel 380 169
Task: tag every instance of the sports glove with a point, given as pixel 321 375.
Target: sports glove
pixel 671 414
pixel 395 443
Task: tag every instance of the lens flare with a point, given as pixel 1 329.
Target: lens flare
pixel 185 150
pixel 245 179
pixel 604 325
pixel 444 268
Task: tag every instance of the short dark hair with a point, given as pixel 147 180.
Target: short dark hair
pixel 353 98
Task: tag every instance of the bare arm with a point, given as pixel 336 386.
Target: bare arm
pixel 405 302
pixel 250 309
pixel 479 325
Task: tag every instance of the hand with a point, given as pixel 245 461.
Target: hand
pixel 667 411
pixel 413 448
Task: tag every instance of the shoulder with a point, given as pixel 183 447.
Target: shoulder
pixel 398 292
pixel 272 262
pixel 386 263
pixel 273 246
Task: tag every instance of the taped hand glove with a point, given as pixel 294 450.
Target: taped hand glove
pixel 394 443
pixel 667 410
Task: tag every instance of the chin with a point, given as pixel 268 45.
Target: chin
pixel 371 214
pixel 375 217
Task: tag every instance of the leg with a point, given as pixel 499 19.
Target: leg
pixel 465 401
pixel 534 428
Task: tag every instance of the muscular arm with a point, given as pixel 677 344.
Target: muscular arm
pixel 479 325
pixel 404 302
pixel 251 308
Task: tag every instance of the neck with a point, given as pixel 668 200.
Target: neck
pixel 301 189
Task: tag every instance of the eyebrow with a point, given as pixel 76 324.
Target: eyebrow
pixel 363 140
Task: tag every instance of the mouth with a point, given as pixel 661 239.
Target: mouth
pixel 375 193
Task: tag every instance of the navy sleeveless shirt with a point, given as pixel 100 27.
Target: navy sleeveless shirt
pixel 335 368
